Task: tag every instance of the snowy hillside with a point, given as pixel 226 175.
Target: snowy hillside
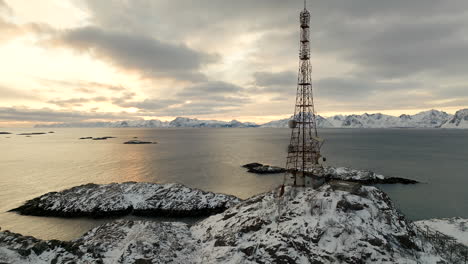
pixel 337 223
pixel 455 227
pixel 98 200
pixel 459 120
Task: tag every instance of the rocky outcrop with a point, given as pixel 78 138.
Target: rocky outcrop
pixel 123 241
pixel 149 199
pixel 340 222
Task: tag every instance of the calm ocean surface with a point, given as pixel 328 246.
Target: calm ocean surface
pixel 211 159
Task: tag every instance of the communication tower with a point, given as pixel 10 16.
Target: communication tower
pixel 302 163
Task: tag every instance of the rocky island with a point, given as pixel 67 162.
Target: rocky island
pixel 341 222
pixel 332 173
pixel 263 169
pixel 151 199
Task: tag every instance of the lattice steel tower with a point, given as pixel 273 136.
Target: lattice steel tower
pixel 304 149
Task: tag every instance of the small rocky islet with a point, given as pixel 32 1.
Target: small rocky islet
pixel 32 134
pixel 340 222
pixel 138 142
pixel 332 173
pixel 130 142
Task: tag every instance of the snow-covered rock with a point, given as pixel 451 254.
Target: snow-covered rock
pixel 459 120
pixel 123 241
pixel 362 176
pixel 128 198
pixel 454 227
pixel 343 173
pixel 337 223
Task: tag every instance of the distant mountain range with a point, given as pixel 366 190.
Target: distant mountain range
pixel 178 122
pixel 426 119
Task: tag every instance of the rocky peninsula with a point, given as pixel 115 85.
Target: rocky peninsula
pixel 340 222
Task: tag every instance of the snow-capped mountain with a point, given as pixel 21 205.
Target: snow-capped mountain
pixel 178 122
pixel 459 120
pixel 431 118
pixel 426 119
pixel 283 123
pixel 193 122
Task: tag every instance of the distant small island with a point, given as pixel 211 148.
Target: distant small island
pixel 138 142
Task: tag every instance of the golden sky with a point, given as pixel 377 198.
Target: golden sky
pixel 78 60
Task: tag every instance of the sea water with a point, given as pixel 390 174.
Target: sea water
pixel 211 159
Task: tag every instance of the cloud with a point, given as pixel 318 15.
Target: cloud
pixel 4 8
pixel 77 101
pixel 49 115
pixel 198 99
pixel 367 54
pixel 130 51
pixel 83 86
pixel 209 89
pixel 283 83
pixel 7 93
